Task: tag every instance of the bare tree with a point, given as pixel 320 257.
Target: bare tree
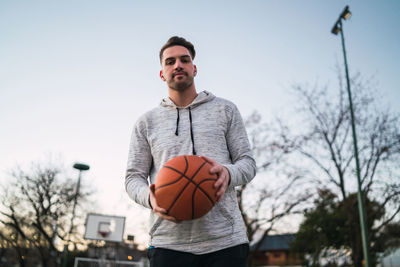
pixel 277 192
pixel 36 209
pixel 325 145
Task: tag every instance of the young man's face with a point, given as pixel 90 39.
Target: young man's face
pixel 178 69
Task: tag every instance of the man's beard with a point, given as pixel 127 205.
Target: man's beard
pixel 180 86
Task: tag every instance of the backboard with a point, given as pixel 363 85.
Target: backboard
pixel 104 227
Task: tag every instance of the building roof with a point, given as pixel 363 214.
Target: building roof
pixel 275 242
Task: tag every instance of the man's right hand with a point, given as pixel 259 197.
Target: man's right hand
pixel 158 210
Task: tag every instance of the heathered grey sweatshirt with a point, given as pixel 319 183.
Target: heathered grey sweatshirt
pixel 209 126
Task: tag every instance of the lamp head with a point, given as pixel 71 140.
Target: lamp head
pixel 81 166
pixel 346 14
pixel 336 29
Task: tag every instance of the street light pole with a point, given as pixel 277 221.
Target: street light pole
pixel 338 27
pixel 81 167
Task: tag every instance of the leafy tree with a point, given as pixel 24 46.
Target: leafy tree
pixel 328 226
pixel 36 209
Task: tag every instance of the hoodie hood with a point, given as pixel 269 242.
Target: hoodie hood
pixel 201 98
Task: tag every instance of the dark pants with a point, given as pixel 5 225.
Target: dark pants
pixel 230 257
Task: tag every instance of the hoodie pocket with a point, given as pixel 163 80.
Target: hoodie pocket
pixel 164 232
pixel 217 223
pixel 155 226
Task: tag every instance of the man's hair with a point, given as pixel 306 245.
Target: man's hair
pixel 176 40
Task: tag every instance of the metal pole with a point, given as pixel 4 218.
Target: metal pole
pixel 81 167
pixel 72 219
pixel 361 208
pixel 75 201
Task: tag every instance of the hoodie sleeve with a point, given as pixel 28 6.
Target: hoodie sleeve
pixel 243 167
pixel 139 165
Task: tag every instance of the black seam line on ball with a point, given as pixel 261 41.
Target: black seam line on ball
pixel 180 177
pixel 205 193
pixel 190 180
pixel 183 175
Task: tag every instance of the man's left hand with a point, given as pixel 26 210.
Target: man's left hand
pixel 223 177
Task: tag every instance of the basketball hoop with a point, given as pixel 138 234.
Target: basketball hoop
pixel 104 227
pixel 104 234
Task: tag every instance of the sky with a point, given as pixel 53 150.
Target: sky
pixel 76 75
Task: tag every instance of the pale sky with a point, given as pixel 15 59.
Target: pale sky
pixel 76 75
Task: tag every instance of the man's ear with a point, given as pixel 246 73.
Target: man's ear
pixel 195 70
pixel 162 76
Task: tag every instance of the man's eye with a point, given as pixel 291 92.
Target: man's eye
pixel 169 62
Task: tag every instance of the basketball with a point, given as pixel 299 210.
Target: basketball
pixel 184 187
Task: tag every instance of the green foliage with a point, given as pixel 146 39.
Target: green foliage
pixel 334 224
pixel 321 226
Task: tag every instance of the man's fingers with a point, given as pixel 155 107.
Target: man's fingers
pixel 172 219
pixel 222 184
pixel 152 188
pixel 223 177
pixel 217 169
pixel 160 210
pixel 222 188
pixel 167 217
pixel 212 162
pixel 219 181
pixel 220 193
pixel 157 209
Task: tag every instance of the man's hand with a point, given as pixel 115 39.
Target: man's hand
pixel 158 210
pixel 223 177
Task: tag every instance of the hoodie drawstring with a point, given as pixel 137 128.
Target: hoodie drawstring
pixel 177 122
pixel 191 131
pixel 191 128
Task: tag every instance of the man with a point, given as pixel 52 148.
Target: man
pixel 195 123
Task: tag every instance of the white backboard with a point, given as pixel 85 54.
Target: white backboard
pixel 104 227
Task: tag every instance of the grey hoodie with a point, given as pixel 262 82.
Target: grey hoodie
pixel 209 126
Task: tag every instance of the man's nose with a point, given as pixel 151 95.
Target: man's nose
pixel 178 64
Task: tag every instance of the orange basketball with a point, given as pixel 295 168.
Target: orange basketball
pixel 185 187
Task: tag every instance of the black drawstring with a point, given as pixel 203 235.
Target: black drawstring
pixel 191 128
pixel 177 122
pixel 191 131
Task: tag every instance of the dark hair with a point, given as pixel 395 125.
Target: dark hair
pixel 176 40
